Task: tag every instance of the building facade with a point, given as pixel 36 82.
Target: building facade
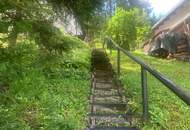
pixel 178 21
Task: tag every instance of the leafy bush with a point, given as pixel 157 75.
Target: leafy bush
pixel 51 38
pixel 42 89
pixel 128 28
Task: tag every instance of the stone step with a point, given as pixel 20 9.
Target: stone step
pixel 105 95
pixel 101 65
pixel 103 68
pixel 106 89
pixel 101 71
pixel 104 80
pixel 114 121
pixel 101 92
pixel 105 85
pixel 103 77
pixel 113 128
pixel 99 116
pixel 110 99
pixel 109 107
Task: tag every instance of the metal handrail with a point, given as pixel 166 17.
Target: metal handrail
pixel 182 93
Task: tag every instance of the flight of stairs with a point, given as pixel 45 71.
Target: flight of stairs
pixel 108 105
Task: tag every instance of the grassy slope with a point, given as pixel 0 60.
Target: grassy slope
pixel 166 110
pixel 45 90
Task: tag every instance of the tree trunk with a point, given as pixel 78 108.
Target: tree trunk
pixel 13 36
pixel 14 32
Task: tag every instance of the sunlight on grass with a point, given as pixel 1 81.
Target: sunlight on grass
pixel 131 68
pixel 44 90
pixel 167 110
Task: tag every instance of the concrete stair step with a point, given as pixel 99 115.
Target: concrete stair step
pixel 106 81
pixel 108 104
pixel 109 92
pixel 110 99
pixel 113 128
pixel 99 116
pixel 105 95
pixel 115 107
pixel 105 89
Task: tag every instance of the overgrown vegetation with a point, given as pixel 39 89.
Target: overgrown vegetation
pixel 166 110
pixel 43 89
pixel 44 73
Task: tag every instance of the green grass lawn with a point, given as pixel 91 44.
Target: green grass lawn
pixel 167 112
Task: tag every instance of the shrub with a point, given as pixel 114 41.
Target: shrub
pixel 44 89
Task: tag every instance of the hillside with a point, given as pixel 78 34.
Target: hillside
pixel 42 89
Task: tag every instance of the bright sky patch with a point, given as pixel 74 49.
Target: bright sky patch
pixel 163 6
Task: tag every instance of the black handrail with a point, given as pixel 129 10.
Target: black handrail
pixel 182 93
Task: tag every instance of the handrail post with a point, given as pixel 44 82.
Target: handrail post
pixel 118 62
pixel 144 93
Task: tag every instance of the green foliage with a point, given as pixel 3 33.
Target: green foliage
pixel 121 27
pixel 19 16
pixel 26 17
pixel 143 27
pixel 128 27
pixel 49 37
pixel 166 110
pixel 42 89
pixel 82 10
pixel 44 74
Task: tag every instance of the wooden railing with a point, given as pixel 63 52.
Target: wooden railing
pixel 176 89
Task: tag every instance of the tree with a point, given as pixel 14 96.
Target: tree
pixel 143 26
pixel 129 4
pixel 127 27
pixel 155 18
pixel 24 17
pixel 19 17
pixel 121 27
pixel 83 10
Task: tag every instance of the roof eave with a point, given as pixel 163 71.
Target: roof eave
pixel 168 14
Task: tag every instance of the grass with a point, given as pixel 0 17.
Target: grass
pixel 167 112
pixel 41 90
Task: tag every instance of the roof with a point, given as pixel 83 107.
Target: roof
pixel 169 13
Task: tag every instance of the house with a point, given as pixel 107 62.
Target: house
pixel 178 21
